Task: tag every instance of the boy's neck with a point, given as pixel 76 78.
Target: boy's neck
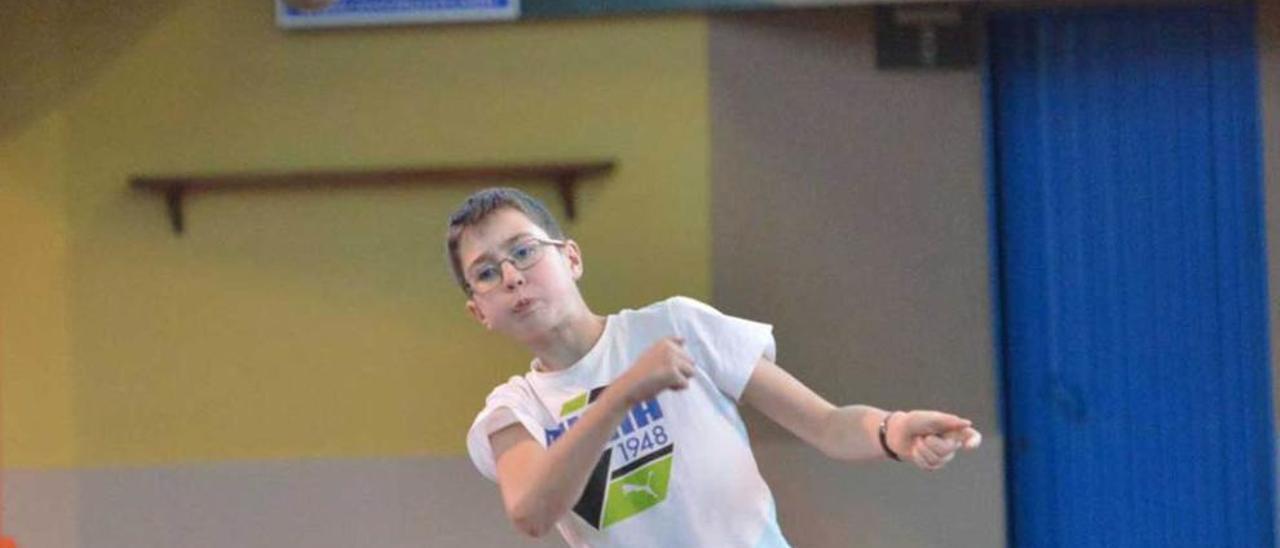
pixel 565 344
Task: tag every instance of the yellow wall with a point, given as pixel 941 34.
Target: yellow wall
pixel 323 323
pixel 35 374
pixel 35 365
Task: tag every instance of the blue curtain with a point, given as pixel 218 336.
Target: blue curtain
pixel 1132 276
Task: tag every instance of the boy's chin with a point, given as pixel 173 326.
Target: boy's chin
pixel 525 327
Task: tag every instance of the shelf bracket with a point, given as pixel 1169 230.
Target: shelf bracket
pixel 173 197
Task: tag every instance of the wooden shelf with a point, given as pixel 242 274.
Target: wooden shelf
pixel 564 175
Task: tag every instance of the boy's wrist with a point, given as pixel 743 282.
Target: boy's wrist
pixel 898 436
pixel 616 399
pixel 884 436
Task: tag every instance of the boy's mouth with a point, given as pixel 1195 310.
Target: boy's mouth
pixel 522 305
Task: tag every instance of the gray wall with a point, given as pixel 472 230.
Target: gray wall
pixel 849 208
pixel 375 503
pixel 1269 67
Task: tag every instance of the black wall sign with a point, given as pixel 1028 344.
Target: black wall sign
pixel 926 36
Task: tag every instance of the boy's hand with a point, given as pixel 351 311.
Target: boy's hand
pixel 930 439
pixel 665 365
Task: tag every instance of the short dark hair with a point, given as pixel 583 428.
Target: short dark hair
pixel 480 205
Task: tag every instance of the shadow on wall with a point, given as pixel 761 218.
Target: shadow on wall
pixel 49 50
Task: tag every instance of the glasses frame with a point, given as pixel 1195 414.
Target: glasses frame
pixel 542 242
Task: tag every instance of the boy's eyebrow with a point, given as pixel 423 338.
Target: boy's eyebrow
pixel 505 243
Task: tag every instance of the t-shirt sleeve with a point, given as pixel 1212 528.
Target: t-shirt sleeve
pixel 724 346
pixel 508 404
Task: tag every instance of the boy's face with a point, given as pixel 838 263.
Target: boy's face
pixel 527 302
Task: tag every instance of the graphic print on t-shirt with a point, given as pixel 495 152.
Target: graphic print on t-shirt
pixel 634 471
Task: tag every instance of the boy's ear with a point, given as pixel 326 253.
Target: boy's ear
pixel 478 314
pixel 574 254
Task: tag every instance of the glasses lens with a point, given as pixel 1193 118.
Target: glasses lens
pixel 526 254
pixel 484 278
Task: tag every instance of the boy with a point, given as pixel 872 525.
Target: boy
pixel 625 432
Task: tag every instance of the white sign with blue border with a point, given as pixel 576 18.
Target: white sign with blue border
pixel 343 13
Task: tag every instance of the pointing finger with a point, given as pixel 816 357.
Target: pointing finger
pixel 934 422
pixel 972 439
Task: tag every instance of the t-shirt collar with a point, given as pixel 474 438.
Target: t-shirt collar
pixel 590 356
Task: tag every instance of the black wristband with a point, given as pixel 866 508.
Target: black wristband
pixel 884 435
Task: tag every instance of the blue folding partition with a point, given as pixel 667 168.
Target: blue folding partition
pixel 1127 194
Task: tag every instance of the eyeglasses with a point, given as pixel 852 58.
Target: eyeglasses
pixel 487 275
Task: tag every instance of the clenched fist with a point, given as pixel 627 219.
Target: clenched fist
pixel 665 365
pixel 930 439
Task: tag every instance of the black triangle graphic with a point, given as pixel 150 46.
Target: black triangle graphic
pixel 591 505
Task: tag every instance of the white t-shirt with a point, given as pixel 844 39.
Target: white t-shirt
pixel 679 470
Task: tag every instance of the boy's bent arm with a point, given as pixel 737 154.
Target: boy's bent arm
pixel 540 485
pixel 929 439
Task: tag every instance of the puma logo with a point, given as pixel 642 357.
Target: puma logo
pixel 628 488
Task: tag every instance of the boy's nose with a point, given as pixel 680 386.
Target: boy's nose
pixel 511 275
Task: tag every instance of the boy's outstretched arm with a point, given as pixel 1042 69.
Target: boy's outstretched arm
pixel 930 439
pixel 540 485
